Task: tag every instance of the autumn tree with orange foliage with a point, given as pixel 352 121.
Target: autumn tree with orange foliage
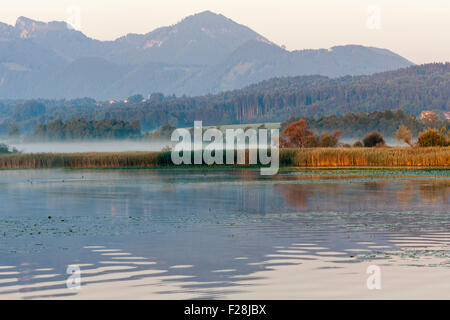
pixel 296 135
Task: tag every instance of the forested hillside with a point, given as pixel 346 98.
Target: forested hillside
pixel 412 89
pixel 80 129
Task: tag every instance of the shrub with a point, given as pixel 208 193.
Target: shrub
pixel 403 134
pixel 6 149
pixel 310 141
pixel 373 139
pixel 357 144
pixel 329 140
pixel 433 138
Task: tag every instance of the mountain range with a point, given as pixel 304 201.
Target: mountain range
pixel 204 53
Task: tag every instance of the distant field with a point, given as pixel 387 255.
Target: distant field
pixel 313 157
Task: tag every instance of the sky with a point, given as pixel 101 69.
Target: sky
pixel 419 30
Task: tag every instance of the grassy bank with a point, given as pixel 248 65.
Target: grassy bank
pixel 314 157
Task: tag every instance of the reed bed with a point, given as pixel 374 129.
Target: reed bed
pixel 369 157
pixel 85 160
pixel 308 157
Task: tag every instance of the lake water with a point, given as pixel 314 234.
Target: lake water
pixel 224 233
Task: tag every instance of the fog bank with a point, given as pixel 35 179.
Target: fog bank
pixel 97 146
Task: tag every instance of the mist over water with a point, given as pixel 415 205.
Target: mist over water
pixel 123 145
pixel 89 146
pixel 102 146
pixel 391 142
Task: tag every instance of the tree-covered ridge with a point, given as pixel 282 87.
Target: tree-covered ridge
pixel 413 90
pixel 80 129
pixel 29 113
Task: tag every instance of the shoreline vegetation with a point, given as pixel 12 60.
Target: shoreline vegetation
pixel 390 157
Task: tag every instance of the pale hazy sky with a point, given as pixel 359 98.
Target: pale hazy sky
pixel 419 30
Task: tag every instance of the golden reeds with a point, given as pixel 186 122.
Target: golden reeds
pixel 371 157
pixel 307 157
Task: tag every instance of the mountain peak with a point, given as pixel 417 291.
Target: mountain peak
pixel 24 22
pixel 205 15
pixel 28 27
pixel 208 19
pixel 204 38
pixel 205 52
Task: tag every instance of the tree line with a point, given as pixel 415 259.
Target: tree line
pixel 358 124
pixel 82 129
pixel 297 134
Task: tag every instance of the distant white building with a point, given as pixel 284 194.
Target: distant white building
pixel 426 114
pixel 446 115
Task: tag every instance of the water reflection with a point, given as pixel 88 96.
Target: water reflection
pixel 435 191
pixel 373 196
pixel 113 272
pixel 200 234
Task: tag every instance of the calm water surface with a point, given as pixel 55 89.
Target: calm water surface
pixel 210 233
